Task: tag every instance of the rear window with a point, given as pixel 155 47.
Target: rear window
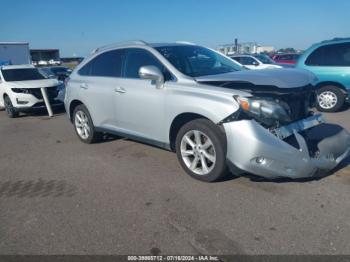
pixel 330 55
pixel 265 59
pixel 237 58
pixel 22 74
pixel 59 70
pixel 286 57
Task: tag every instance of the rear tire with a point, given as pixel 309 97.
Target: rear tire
pixel 330 99
pixel 201 150
pixel 84 126
pixel 10 110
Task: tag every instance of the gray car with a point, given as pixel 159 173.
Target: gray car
pixel 215 115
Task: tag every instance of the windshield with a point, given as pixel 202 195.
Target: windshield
pixel 265 59
pixel 45 71
pixel 197 61
pixel 22 74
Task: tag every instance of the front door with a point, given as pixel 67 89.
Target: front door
pixel 139 104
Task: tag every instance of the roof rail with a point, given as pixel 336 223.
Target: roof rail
pixel 134 42
pixel 336 39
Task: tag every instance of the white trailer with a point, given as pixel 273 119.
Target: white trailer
pixel 14 53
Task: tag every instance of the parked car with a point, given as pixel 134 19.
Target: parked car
pixel 20 89
pixel 290 59
pixel 58 72
pixel 202 105
pixel 330 62
pixel 265 59
pixel 42 63
pixel 252 62
pixel 54 62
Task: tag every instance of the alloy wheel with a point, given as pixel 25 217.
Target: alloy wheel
pixel 327 99
pixel 82 124
pixel 198 152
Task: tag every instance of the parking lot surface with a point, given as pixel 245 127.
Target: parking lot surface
pixel 60 196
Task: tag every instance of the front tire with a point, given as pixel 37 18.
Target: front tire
pixel 84 126
pixel 201 150
pixel 330 99
pixel 10 110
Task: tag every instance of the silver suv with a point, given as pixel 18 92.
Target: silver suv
pixel 214 114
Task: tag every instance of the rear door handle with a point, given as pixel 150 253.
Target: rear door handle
pixel 119 90
pixel 84 86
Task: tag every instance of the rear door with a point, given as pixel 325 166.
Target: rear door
pixel 96 82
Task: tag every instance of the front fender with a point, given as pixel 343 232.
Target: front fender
pixel 214 107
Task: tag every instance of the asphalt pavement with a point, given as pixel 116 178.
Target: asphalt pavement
pixel 60 196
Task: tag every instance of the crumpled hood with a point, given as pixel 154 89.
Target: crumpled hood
pixel 33 83
pixel 281 78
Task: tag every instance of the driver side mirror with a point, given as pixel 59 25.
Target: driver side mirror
pixel 152 73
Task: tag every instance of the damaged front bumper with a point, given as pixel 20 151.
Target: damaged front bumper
pixel 297 150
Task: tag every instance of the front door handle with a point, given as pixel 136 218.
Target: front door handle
pixel 119 90
pixel 84 86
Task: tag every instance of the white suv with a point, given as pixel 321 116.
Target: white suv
pixel 20 89
pixel 254 63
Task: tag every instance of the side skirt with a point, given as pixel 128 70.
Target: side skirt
pixel 143 140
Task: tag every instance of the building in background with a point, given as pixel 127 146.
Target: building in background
pixel 265 49
pixel 244 48
pixel 14 53
pixel 44 57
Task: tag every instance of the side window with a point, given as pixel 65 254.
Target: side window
pixel 248 61
pixel 135 58
pixel 317 57
pixel 106 64
pixel 330 55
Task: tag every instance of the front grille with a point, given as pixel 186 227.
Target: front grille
pixel 52 92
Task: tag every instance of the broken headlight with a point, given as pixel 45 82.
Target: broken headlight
pixel 264 110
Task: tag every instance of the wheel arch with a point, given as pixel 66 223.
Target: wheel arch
pixel 4 94
pixel 332 83
pixel 72 106
pixel 179 121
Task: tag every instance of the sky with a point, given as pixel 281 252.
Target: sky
pixel 78 26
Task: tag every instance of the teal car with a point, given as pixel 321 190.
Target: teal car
pixel 330 62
